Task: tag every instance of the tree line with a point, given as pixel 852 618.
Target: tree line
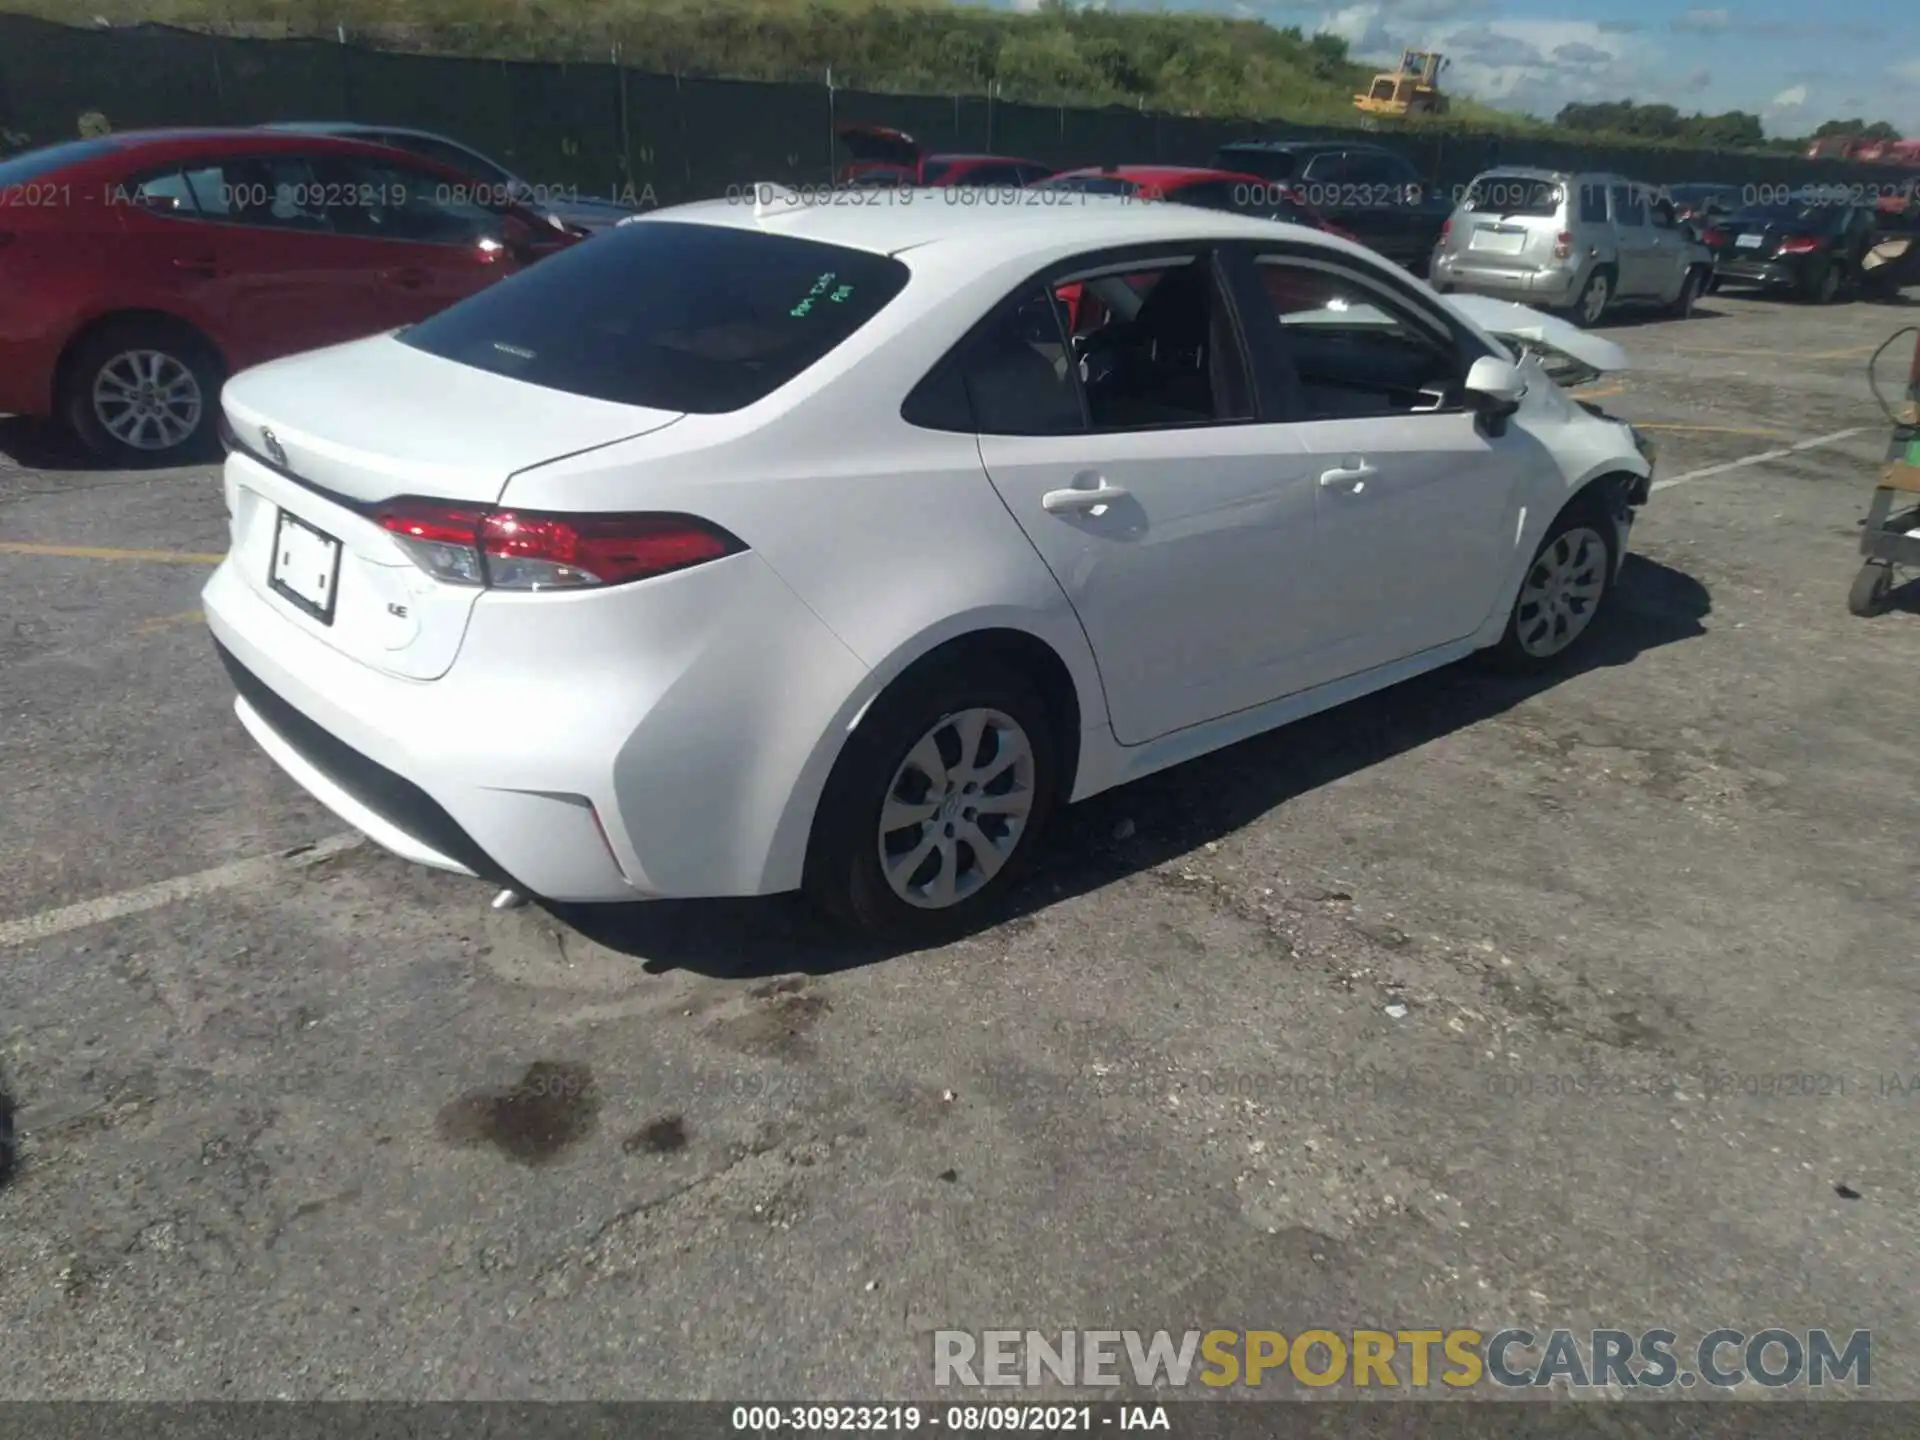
pixel 1732 130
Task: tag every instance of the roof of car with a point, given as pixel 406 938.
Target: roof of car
pixel 998 159
pixel 1013 230
pixel 1156 174
pixel 352 127
pixel 1303 145
pixel 234 137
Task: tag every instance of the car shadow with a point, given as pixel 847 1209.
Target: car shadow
pixel 40 445
pixel 1151 821
pixel 1638 317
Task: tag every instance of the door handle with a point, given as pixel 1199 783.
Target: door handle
pixel 1354 476
pixel 205 266
pixel 406 279
pixel 1081 497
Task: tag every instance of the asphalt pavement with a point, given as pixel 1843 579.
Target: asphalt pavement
pixel 1472 1004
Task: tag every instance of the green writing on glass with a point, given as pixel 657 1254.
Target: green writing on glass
pixel 837 294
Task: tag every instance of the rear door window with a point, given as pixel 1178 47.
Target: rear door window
pixel 163 193
pixel 670 315
pixel 277 192
pixel 1629 206
pixel 376 200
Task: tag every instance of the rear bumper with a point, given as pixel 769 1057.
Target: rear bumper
pixel 1543 289
pixel 1767 274
pixel 601 747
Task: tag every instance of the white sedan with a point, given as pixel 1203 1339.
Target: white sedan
pixel 766 546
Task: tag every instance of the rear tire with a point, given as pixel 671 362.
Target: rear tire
pixel 1595 296
pixel 1564 591
pixel 971 819
pixel 1826 289
pixel 143 392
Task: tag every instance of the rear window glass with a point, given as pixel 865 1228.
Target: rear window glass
pixel 675 316
pixel 35 164
pixel 1273 164
pixel 1820 216
pixel 1514 195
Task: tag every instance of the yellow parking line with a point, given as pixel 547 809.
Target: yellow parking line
pixel 167 622
pixel 101 552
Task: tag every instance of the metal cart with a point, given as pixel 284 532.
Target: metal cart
pixel 1891 538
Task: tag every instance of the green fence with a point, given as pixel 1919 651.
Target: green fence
pixel 603 129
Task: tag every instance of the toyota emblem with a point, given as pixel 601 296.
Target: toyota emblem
pixel 274 452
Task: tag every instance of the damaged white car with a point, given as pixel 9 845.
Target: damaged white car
pixel 775 546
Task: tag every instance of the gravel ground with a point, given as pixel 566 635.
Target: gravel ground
pixel 1468 1004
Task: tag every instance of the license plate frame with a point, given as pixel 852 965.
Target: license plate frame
pixel 316 543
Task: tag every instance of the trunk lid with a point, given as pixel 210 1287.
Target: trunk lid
pixel 326 436
pixel 878 144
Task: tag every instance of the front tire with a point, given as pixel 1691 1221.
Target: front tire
pixel 934 805
pixel 140 393
pixel 1563 592
pixel 1690 286
pixel 1868 596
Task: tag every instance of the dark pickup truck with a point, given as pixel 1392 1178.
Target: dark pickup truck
pixel 1367 189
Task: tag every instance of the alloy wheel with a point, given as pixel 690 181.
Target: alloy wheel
pixel 1561 592
pixel 957 808
pixel 147 400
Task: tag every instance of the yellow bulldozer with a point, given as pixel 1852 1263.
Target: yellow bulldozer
pixel 1413 89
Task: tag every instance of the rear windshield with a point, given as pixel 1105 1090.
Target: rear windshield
pixel 36 164
pixel 675 316
pixel 1089 184
pixel 1273 164
pixel 1514 195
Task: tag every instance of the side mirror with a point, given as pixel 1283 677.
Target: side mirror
pixel 1495 388
pixel 1497 381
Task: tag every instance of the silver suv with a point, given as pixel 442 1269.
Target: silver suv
pixel 1581 242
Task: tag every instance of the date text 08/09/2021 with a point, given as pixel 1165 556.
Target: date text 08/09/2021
pixel 949 1419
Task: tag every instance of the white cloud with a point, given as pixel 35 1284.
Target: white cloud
pixel 1697 79
pixel 1794 97
pixel 1907 70
pixel 1703 22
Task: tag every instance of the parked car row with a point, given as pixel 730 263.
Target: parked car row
pixel 141 269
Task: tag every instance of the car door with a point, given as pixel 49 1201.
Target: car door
pixel 1173 509
pixel 1672 248
pixel 421 241
pixel 1415 500
pixel 1634 242
pixel 240 245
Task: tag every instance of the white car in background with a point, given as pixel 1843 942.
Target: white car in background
pixel 804 546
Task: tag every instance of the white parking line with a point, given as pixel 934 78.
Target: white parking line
pixel 166 892
pixel 1761 458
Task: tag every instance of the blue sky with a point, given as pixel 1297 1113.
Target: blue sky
pixel 1793 64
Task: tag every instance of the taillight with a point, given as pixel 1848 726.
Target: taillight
pixel 1799 245
pixel 1446 228
pixel 533 550
pixel 1713 239
pixel 1563 245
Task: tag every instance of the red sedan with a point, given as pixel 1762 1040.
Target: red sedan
pixel 138 270
pixel 885 156
pixel 1197 185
